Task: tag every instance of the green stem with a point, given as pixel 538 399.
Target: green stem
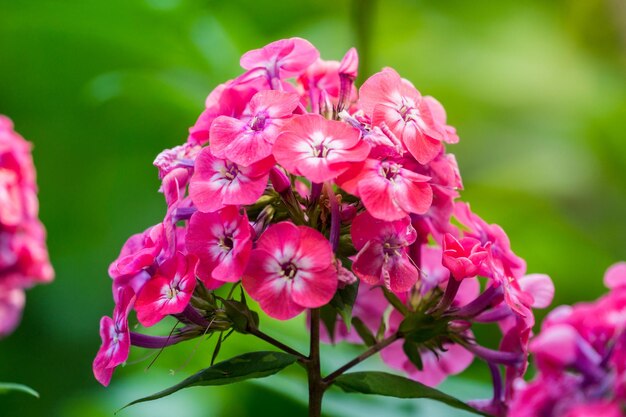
pixel 280 345
pixel 316 385
pixel 369 352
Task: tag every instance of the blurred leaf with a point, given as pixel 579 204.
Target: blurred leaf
pixel 389 385
pixel 411 350
pixel 328 314
pixel 237 369
pixel 7 387
pixel 365 333
pixel 343 301
pixel 395 302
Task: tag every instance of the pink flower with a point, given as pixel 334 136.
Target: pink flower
pixel 463 258
pixel 179 156
pixel 512 264
pixel 168 291
pixel 349 64
pixel 291 269
pixel 419 122
pixel 251 139
pixel 382 256
pixel 23 253
pixel 320 76
pixel 11 304
pixel 596 409
pixel 115 338
pixel 222 242
pixel 388 190
pixel 615 276
pixel 281 59
pixel 319 149
pixel 228 99
pixel 138 256
pixel 217 183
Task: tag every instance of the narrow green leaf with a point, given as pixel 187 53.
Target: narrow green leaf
pixel 328 314
pixel 365 333
pixel 237 369
pixel 411 350
pixel 6 387
pixel 218 346
pixel 395 302
pixel 239 314
pixel 389 385
pixel 343 301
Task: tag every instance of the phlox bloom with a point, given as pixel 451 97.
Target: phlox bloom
pixel 291 269
pixel 222 242
pixel 250 139
pixel 419 122
pixel 115 338
pixel 382 257
pixel 217 182
pixel 283 58
pixel 168 291
pixel 463 257
pixel 388 190
pixel 319 149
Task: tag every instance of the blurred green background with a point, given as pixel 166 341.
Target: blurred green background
pixel 536 89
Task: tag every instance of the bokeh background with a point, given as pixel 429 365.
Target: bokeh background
pixel 536 89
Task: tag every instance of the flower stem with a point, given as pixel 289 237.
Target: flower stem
pixel 280 345
pixel 369 352
pixel 316 384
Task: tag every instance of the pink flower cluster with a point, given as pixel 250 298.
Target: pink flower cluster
pixel 23 254
pixel 298 185
pixel 581 359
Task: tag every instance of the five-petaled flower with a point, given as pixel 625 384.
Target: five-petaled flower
pixel 291 269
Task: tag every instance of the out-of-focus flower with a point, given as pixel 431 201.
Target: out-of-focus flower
pixel 23 253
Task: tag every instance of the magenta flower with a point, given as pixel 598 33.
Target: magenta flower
pixel 250 139
pixel 382 257
pixel 12 302
pixel 388 190
pixel 115 338
pixel 319 149
pixel 463 258
pixel 281 59
pixel 418 121
pixel 228 99
pixel 615 276
pixel 291 269
pixel 512 264
pixel 217 182
pixel 349 64
pixel 168 291
pixel 138 259
pixel 23 253
pixel 222 242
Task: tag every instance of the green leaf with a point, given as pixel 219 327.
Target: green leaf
pixel 389 385
pixel 240 315
pixel 365 333
pixel 328 314
pixel 343 301
pixel 396 302
pixel 411 350
pixel 6 387
pixel 237 369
